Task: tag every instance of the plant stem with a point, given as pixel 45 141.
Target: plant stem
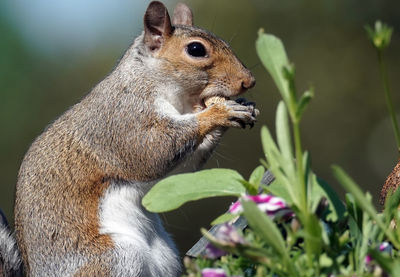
pixel 303 189
pixel 300 166
pixel 388 97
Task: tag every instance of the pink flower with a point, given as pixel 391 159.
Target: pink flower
pixel 383 247
pixel 386 247
pixel 273 206
pixel 226 234
pixel 368 259
pixel 213 252
pixel 213 272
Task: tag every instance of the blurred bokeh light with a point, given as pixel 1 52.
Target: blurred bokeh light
pixel 53 52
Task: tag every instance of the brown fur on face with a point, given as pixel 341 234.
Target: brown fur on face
pixel 219 72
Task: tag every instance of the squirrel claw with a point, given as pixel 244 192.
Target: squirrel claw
pixel 253 104
pixel 242 124
pixel 255 113
pixel 241 101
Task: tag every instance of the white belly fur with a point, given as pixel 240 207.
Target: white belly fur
pixel 142 246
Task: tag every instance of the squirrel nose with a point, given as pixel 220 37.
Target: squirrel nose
pixel 248 82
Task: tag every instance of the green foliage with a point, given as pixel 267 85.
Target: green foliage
pixel 272 54
pixel 263 226
pixel 174 191
pixel 321 236
pixel 223 218
pixel 380 36
pixel 255 179
pixel 365 203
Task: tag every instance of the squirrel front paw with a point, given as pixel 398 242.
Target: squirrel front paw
pixel 240 113
pixel 228 113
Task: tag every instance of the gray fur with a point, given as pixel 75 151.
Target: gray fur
pixel 126 101
pixel 10 260
pixel 78 198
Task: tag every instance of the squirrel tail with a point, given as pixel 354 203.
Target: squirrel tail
pixel 10 260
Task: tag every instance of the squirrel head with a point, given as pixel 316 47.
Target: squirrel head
pixel 200 61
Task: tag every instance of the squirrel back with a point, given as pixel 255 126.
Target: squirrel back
pixel 78 196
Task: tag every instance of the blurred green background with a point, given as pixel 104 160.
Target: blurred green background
pixel 53 52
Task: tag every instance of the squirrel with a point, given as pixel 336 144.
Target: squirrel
pixel 78 205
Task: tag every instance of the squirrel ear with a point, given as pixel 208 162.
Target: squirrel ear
pixel 157 25
pixel 182 15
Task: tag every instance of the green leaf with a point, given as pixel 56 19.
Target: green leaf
pixel 315 193
pixel 289 74
pixel 361 247
pixel 312 234
pixel 322 189
pixel 284 139
pixel 270 148
pixel 325 260
pixel 363 202
pixel 256 176
pixel 273 56
pixel 223 218
pixel 264 227
pixel 250 188
pixel 275 162
pixel 303 103
pixel 264 163
pixel 279 190
pixel 254 181
pixel 391 211
pixel 391 204
pixel 253 252
pixel 356 216
pixel 174 191
pixel 388 264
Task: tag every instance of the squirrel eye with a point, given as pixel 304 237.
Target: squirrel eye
pixel 196 49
